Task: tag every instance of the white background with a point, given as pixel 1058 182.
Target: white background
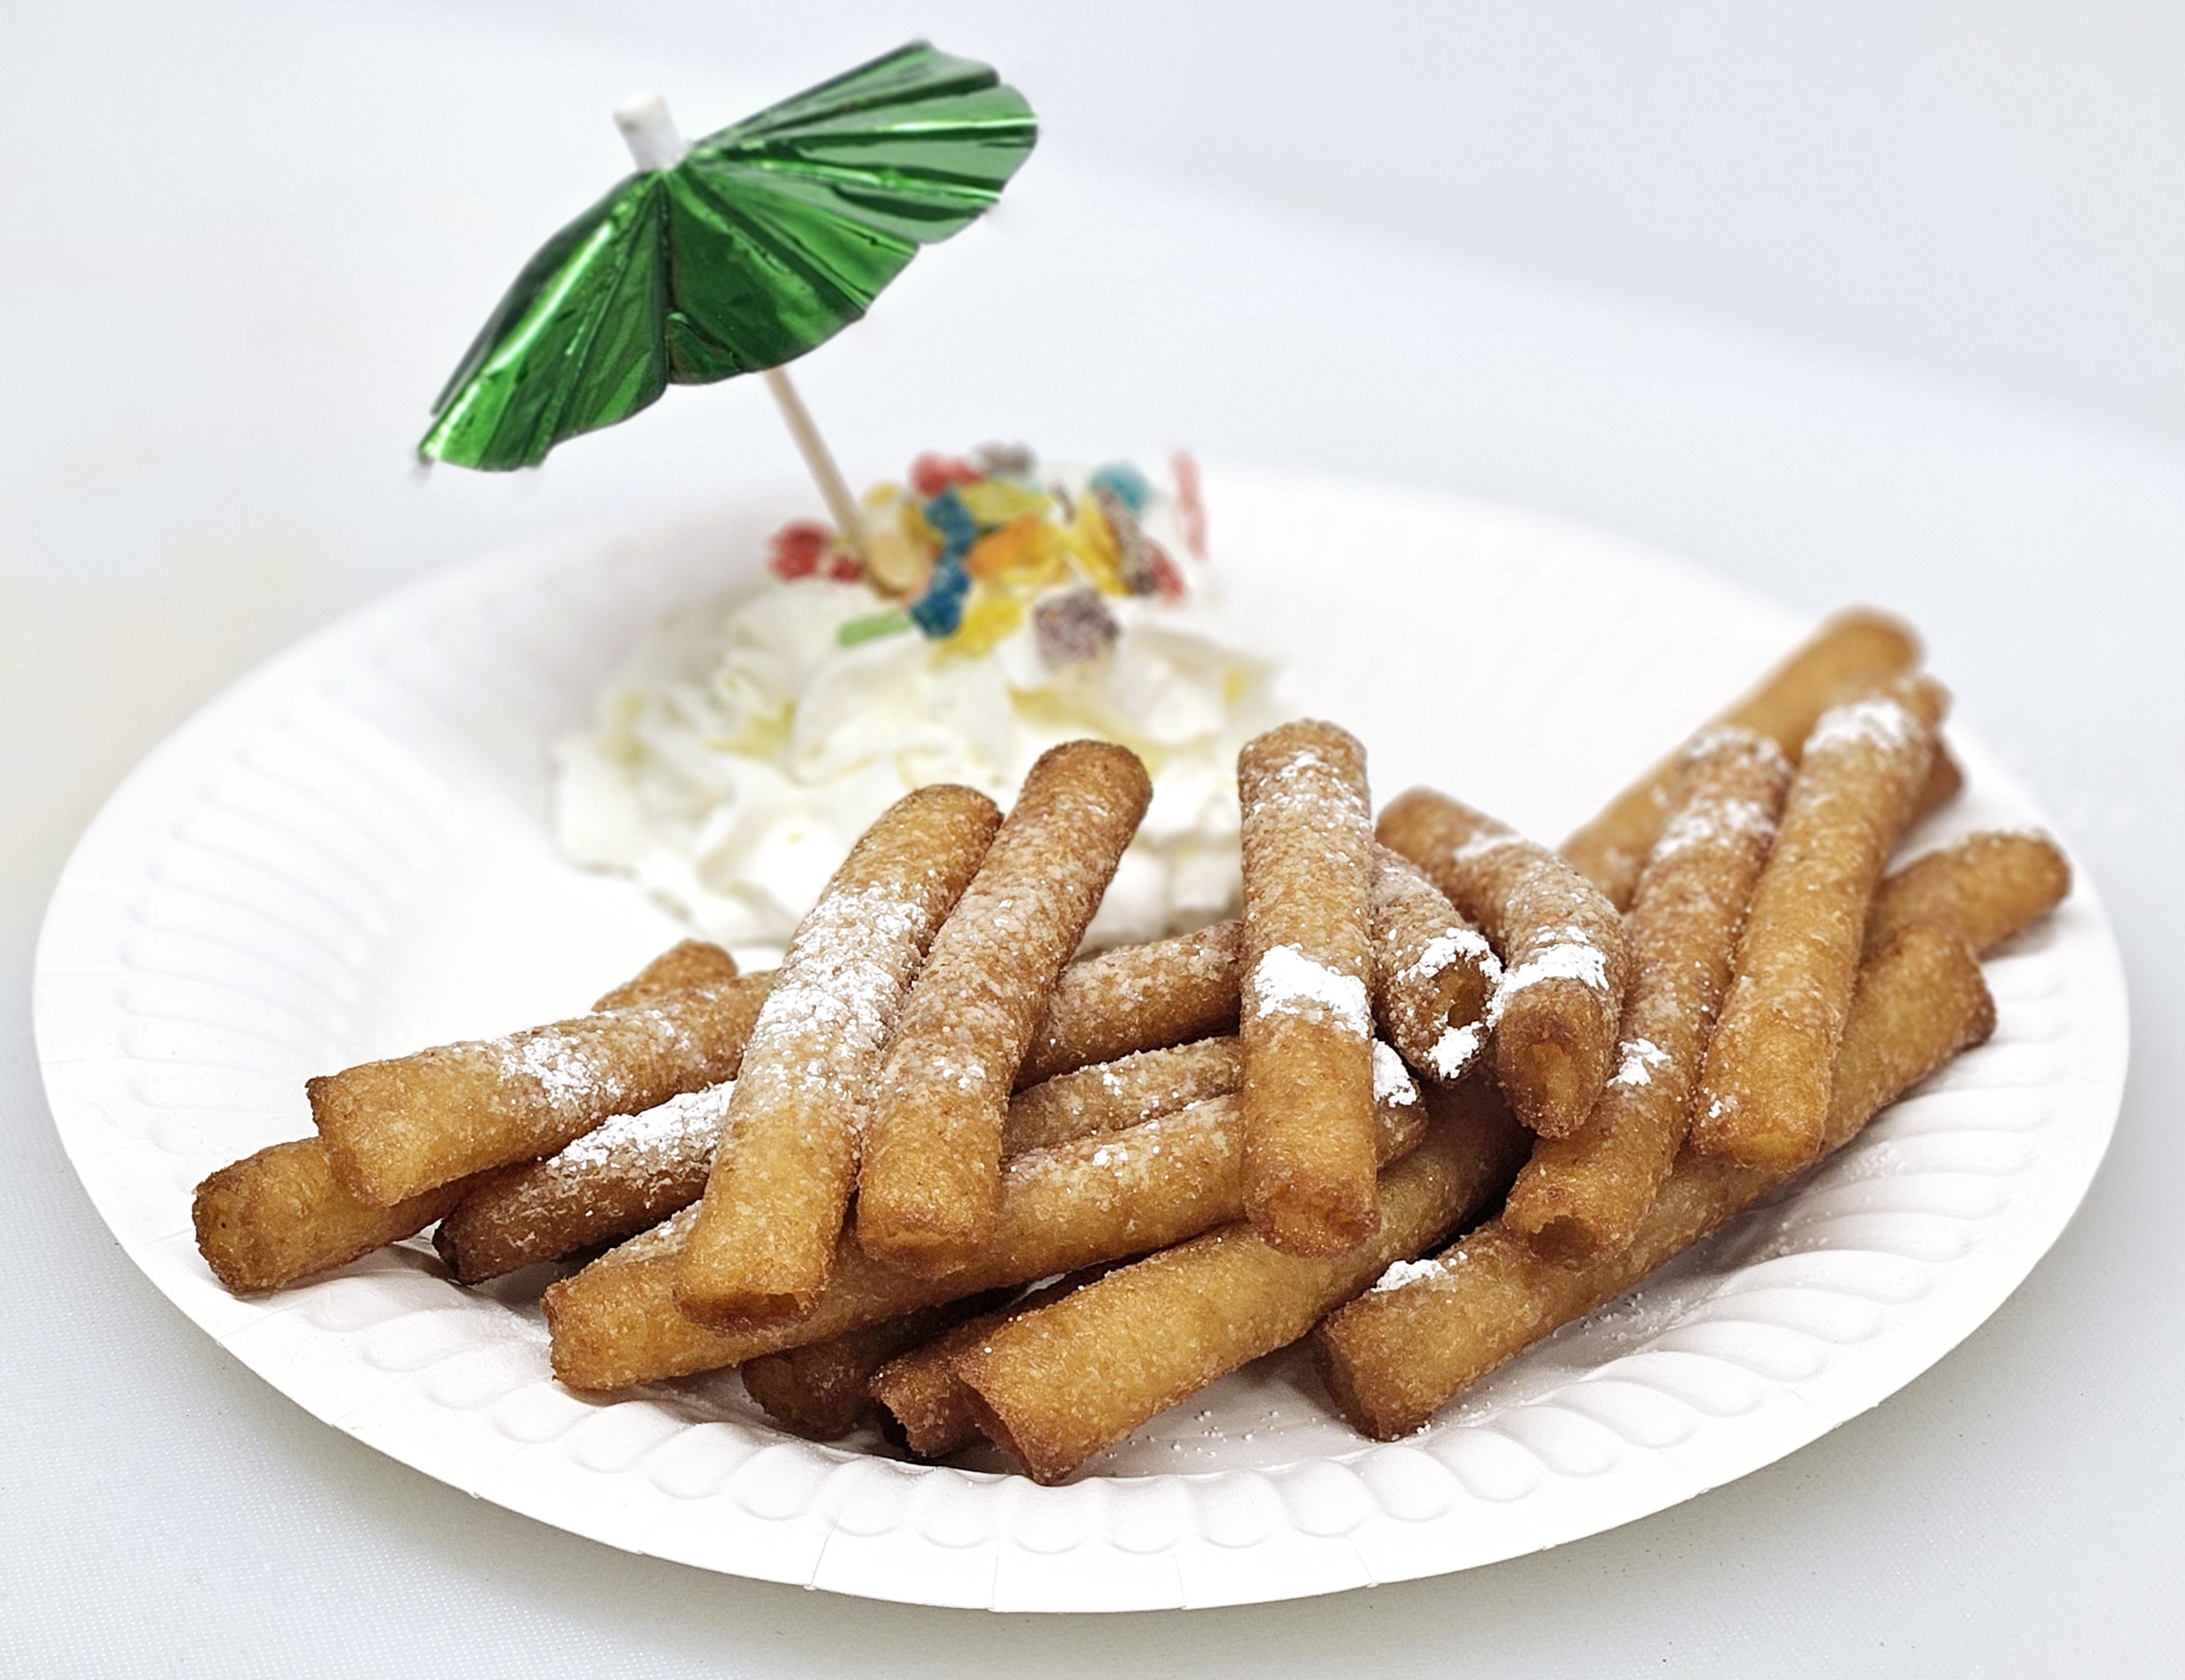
pixel 1846 302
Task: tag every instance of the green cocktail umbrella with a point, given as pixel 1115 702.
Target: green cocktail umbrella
pixel 734 254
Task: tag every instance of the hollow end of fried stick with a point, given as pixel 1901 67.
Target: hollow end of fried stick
pixel 1057 1384
pixel 1139 998
pixel 1565 963
pixel 763 1242
pixel 1763 1094
pixel 614 1324
pixel 1584 1195
pixel 1391 1358
pixel 1434 972
pixel 929 1184
pixel 690 962
pixel 822 1390
pixel 920 1390
pixel 1307 1022
pixel 283 1213
pixel 1988 886
pixel 397 1128
pixel 1860 645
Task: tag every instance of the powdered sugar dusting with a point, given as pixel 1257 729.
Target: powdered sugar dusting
pixel 1486 841
pixel 667 1133
pixel 1453 1052
pixel 1570 954
pixel 1707 823
pixel 1641 1057
pixel 1407 1272
pixel 1878 720
pixel 1445 950
pixel 1393 1084
pixel 1287 981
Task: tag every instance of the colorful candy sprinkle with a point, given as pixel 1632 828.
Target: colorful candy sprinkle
pixel 873 626
pixel 939 610
pixel 1074 627
pixel 931 474
pixel 797 548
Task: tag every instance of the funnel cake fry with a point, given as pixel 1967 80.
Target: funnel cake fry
pixel 1434 972
pixel 690 962
pixel 764 1236
pixel 1139 998
pixel 637 1169
pixel 1856 649
pixel 1564 960
pixel 1987 886
pixel 1078 1204
pixel 1306 1021
pixel 1763 1095
pixel 822 1390
pixel 1054 1386
pixel 396 1129
pixel 931 1183
pixel 284 1213
pixel 919 1389
pixel 1394 1356
pixel 1582 1196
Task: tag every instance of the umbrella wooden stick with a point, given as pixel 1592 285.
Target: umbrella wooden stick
pixel 655 143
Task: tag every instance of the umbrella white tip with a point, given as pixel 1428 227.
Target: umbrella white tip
pixel 654 141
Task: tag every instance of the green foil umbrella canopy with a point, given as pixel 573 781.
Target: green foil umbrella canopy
pixel 734 254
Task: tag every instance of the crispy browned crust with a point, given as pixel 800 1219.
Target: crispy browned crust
pixel 1858 647
pixel 396 1129
pixel 1564 959
pixel 691 962
pixel 1307 1022
pixel 764 1239
pixel 822 1390
pixel 928 1189
pixel 1582 1196
pixel 282 1214
pixel 1139 998
pixel 1391 1358
pixel 1058 1384
pixel 1987 886
pixel 1763 1095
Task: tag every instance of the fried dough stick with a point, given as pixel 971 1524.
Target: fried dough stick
pixel 1139 998
pixel 1306 1023
pixel 821 1390
pixel 1987 886
pixel 284 1213
pixel 397 1128
pixel 1055 1385
pixel 919 1389
pixel 1763 1095
pixel 1076 1205
pixel 1392 1357
pixel 1582 1197
pixel 1856 648
pixel 1434 972
pixel 637 1169
pixel 931 1178
pixel 1564 960
pixel 764 1238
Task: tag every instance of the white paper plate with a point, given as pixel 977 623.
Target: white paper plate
pixel 347 857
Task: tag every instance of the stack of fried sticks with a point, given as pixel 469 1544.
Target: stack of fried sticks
pixel 932 1165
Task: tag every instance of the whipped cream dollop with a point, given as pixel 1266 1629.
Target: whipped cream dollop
pixel 747 742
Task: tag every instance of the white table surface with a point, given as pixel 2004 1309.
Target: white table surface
pixel 239 248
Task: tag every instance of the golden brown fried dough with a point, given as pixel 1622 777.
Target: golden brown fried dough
pixel 1581 1197
pixel 396 1129
pixel 1434 972
pixel 1076 1205
pixel 920 1389
pixel 1987 886
pixel 1763 1095
pixel 1139 998
pixel 1307 1022
pixel 1055 1385
pixel 282 1214
pixel 931 1184
pixel 1392 1357
pixel 764 1238
pixel 1555 1012
pixel 691 962
pixel 637 1169
pixel 821 1390
pixel 1856 649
